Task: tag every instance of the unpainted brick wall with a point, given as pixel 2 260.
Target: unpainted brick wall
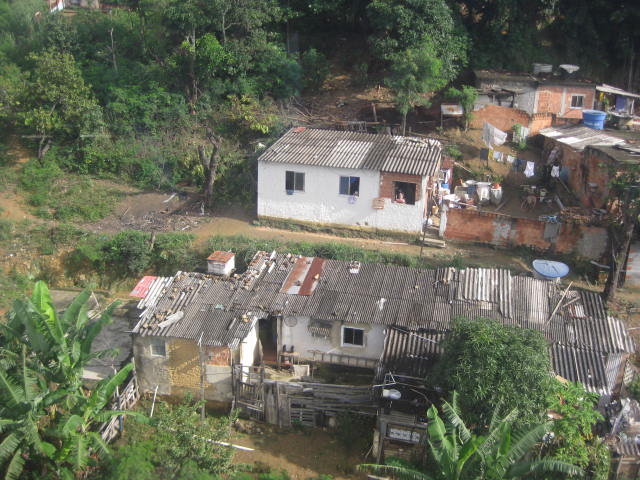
pixel 557 100
pixel 387 179
pixel 588 166
pixel 505 231
pixel 500 117
pixel 220 356
pixel 184 363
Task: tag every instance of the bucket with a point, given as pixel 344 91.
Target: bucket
pixel 594 119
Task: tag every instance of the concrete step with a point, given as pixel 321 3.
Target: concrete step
pixel 434 242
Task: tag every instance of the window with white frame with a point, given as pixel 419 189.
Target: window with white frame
pixel 352 337
pixel 158 347
pixel 350 186
pixel 294 182
pixel 577 101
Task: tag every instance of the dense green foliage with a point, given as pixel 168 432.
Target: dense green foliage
pixel 573 440
pixel 490 365
pixel 503 450
pixel 48 420
pixel 175 444
pixel 130 93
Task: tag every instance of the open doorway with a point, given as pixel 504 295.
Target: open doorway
pixel 268 332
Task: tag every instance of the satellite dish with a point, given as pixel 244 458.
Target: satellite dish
pixel 290 321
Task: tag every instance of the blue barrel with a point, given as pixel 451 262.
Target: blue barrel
pixel 594 119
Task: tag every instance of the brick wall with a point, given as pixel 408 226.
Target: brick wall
pixel 588 166
pixel 557 100
pixel 220 356
pixel 387 179
pixel 500 117
pixel 505 117
pixel 505 231
pixel 183 364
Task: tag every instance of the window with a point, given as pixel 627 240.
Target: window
pixel 404 192
pixel 350 186
pixel 158 348
pixel 577 101
pixel 352 336
pixel 294 182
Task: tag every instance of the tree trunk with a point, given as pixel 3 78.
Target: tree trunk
pixel 210 165
pixel 43 147
pixel 618 260
pixel 404 123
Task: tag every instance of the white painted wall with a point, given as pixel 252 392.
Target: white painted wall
pixel 248 346
pixel 321 201
pixel 303 342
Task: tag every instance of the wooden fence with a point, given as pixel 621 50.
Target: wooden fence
pixel 123 399
pixel 297 403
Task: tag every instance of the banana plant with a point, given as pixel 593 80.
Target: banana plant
pixel 457 453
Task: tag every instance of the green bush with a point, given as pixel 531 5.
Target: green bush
pixel 315 68
pixel 633 389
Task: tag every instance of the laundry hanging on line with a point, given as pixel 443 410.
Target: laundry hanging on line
pixel 555 171
pixel 492 136
pixel 497 156
pixel 484 154
pixel 511 158
pixel 529 170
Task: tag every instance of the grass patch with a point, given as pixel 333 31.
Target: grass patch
pixel 245 247
pixel 337 230
pixel 55 194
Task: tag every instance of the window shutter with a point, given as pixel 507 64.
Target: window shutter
pixel 344 185
pixel 289 183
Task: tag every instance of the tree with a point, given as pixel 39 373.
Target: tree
pixel 47 421
pixel 575 416
pixel 413 74
pixel 503 451
pixel 466 96
pixel 625 190
pixel 57 103
pixel 490 364
pixel 401 24
pixel 210 164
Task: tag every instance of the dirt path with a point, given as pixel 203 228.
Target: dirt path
pixel 304 454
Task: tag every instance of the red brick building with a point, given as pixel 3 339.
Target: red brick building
pixel 535 102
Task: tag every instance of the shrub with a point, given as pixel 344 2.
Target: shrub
pixel 315 68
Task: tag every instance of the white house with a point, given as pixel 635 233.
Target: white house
pixel 349 178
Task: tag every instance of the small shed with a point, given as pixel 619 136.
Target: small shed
pixel 221 263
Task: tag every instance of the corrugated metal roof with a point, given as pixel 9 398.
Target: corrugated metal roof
pixel 579 137
pixel 356 150
pixel 410 301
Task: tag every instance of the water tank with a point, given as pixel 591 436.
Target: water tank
pixel 594 119
pixel 542 68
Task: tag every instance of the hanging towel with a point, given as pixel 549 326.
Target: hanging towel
pixel 484 154
pixel 555 171
pixel 492 136
pixel 497 156
pixel 529 170
pixel 511 158
pixel 490 154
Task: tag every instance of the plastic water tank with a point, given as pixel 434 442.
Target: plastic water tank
pixel 594 119
pixel 483 191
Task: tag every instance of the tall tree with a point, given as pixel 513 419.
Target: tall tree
pixel 625 192
pixel 399 25
pixel 57 103
pixel 488 364
pixel 210 163
pixel 413 74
